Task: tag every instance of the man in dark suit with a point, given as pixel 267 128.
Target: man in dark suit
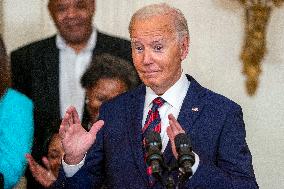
pixel 112 152
pixel 49 69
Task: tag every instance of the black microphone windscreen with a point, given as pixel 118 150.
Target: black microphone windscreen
pixel 182 139
pixel 153 136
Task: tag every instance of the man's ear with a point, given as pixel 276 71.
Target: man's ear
pixel 184 47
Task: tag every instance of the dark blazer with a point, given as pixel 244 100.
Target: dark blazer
pixel 217 134
pixel 35 72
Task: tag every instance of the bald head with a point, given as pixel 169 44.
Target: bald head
pixel 178 20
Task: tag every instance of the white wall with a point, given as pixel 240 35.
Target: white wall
pixel 217 28
pixel 1 15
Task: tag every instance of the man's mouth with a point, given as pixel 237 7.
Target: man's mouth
pixel 150 73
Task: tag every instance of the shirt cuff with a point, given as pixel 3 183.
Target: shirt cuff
pixel 71 170
pixel 196 164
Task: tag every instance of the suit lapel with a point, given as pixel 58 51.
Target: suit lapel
pixel 100 45
pixel 191 109
pixel 135 130
pixel 192 106
pixel 51 63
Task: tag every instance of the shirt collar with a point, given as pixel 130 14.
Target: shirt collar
pixel 61 44
pixel 173 96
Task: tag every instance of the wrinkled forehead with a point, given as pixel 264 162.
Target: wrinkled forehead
pixel 159 24
pixel 65 2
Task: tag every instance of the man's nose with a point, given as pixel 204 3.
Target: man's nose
pixel 72 12
pixel 147 57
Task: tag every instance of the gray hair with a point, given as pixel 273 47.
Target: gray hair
pixel 180 22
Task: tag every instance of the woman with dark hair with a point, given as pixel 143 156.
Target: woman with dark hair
pixel 16 126
pixel 106 77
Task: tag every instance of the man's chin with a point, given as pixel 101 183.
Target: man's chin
pixel 151 83
pixel 75 38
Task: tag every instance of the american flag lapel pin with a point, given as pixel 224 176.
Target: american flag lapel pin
pixel 195 109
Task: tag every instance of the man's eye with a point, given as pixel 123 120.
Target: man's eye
pixel 139 49
pixel 158 48
pixel 60 8
pixel 81 5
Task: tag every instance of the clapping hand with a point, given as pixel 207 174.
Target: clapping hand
pixel 173 130
pixel 42 174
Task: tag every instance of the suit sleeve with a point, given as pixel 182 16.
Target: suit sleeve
pixel 20 71
pixel 233 165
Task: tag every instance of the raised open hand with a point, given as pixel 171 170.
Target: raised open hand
pixel 42 174
pixel 76 140
pixel 173 130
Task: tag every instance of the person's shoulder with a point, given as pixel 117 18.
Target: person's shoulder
pixel 112 39
pixel 136 92
pixel 220 102
pixel 15 98
pixel 113 45
pixel 35 45
pixel 213 99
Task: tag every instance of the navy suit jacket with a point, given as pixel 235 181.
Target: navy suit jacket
pixel 217 134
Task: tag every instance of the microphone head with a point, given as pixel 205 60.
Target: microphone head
pixel 153 138
pixel 185 156
pixel 154 157
pixel 182 140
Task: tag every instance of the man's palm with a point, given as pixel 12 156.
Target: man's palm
pixel 76 140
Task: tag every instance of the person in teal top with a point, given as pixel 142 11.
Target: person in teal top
pixel 16 126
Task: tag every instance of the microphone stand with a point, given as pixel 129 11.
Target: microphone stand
pixel 170 183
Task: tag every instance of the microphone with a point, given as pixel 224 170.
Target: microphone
pixel 186 157
pixel 154 157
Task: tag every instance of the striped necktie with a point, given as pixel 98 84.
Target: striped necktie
pixel 153 120
pixel 152 123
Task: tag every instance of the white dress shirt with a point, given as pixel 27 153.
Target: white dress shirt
pixel 72 66
pixel 174 97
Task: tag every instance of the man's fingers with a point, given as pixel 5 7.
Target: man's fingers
pixel 34 166
pixel 46 162
pixel 70 120
pixel 31 161
pixel 64 125
pixel 62 131
pixel 96 127
pixel 174 128
pixel 174 124
pixel 75 117
pixel 170 132
pixel 43 176
pixel 29 157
